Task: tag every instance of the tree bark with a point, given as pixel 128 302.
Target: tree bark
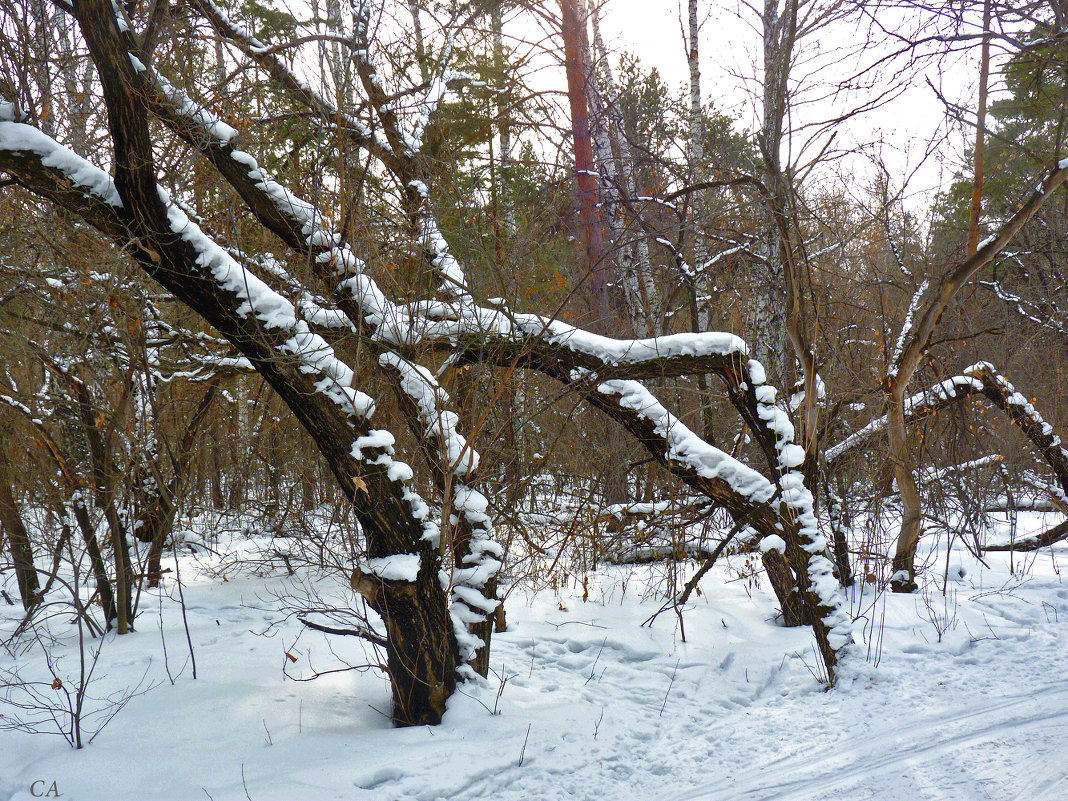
pixel 420 661
pixel 422 654
pixel 911 356
pixel 980 138
pixel 586 194
pixel 158 519
pixel 784 585
pixel 771 345
pixel 904 569
pixel 18 538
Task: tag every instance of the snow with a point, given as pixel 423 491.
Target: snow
pixel 940 391
pixel 469 604
pixel 120 17
pixel 398 567
pixel 799 499
pixel 906 326
pixel 686 447
pixel 792 455
pixel 17 137
pixel 184 106
pixel 314 354
pixel 381 439
pixel 773 542
pixel 634 351
pixel 1014 398
pixel 419 384
pixel 434 95
pixel 959 698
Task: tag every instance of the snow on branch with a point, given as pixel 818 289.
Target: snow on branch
pixel 254 299
pixel 358 133
pixel 806 548
pixel 905 366
pixel 978 379
pixel 313 354
pixel 997 389
pixel 917 406
pixel 906 326
pixel 302 226
pixel 686 447
pixel 1027 309
pixel 397 326
pixel 743 491
pixel 16 137
pixel 481 562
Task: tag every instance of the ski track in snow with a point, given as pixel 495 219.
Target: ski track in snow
pixel 595 706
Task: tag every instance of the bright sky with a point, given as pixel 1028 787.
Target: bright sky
pixel 730 53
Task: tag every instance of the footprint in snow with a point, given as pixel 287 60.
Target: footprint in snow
pixel 379 777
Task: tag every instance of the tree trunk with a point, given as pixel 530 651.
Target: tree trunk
pixel 421 648
pixel 586 194
pixel 980 139
pixel 158 520
pixel 841 522
pixel 904 565
pixel 96 559
pixel 420 644
pixel 784 585
pixel 101 466
pixel 629 242
pixel 18 538
pixel 771 345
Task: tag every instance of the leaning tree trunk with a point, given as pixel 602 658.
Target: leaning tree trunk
pixel 784 585
pixel 18 538
pixel 911 351
pixel 904 565
pixel 157 521
pixel 421 644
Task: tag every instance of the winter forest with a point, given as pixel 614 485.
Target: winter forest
pixel 533 399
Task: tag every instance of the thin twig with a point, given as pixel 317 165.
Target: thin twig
pixel 181 600
pixel 671 684
pixel 523 751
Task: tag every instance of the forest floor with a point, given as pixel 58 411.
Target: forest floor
pixel 955 696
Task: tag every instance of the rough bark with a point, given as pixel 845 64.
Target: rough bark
pixel 420 646
pixel 158 519
pixel 784 585
pixel 18 538
pixel 422 654
pixel 586 194
pixel 911 355
pixel 771 345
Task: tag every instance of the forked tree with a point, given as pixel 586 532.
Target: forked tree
pixel 288 328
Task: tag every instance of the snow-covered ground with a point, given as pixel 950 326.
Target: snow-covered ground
pixel 961 696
